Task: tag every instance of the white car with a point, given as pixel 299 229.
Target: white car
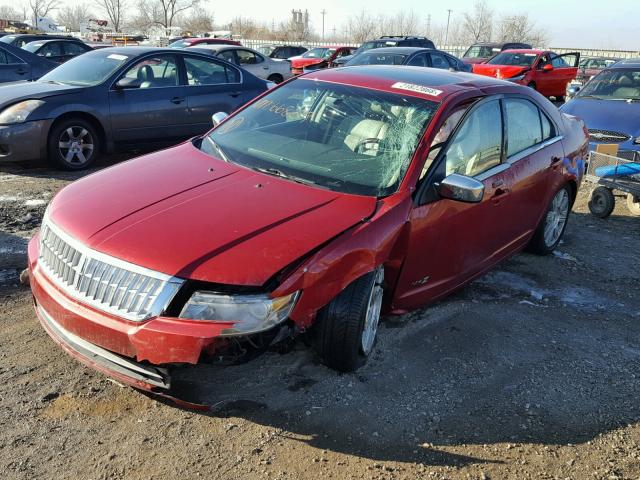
pixel 270 69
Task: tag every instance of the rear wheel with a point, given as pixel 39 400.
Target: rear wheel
pixel 346 329
pixel 602 202
pixel 633 204
pixel 73 144
pixel 275 78
pixel 552 226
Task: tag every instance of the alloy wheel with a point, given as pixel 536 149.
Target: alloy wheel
pixel 76 145
pixel 372 317
pixel 556 218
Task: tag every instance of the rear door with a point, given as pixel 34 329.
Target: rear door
pixel 252 62
pixel 438 60
pixel 211 86
pixel 155 109
pixel 12 68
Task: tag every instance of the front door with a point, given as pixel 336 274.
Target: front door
pixel 565 69
pixel 451 241
pixel 153 109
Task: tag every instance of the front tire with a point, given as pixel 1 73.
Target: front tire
pixel 345 329
pixel 275 78
pixel 602 202
pixel 633 204
pixel 551 228
pixel 73 144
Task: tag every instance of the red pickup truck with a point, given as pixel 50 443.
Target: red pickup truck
pixel 542 70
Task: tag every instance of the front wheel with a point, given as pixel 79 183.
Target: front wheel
pixel 551 228
pixel 602 202
pixel 633 204
pixel 346 329
pixel 73 144
pixel 275 78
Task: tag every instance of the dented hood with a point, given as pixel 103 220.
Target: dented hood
pixel 184 213
pixel 498 71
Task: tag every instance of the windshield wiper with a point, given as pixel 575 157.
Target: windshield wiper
pixel 279 173
pixel 219 149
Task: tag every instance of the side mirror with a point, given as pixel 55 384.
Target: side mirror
pixel 127 82
pixel 217 118
pixel 461 188
pixel 547 68
pixel 572 90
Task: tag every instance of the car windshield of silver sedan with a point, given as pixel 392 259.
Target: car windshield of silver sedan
pixel 623 84
pixel 86 70
pixel 323 53
pixel 371 58
pixel 515 59
pixel 348 139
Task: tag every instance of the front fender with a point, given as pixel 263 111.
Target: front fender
pixel 354 253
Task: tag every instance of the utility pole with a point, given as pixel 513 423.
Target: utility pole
pixel 429 25
pixel 323 13
pixel 446 35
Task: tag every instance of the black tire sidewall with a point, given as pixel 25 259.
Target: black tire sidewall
pixel 537 244
pixel 275 78
pixel 609 202
pixel 53 150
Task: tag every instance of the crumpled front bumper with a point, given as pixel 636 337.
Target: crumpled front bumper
pixel 136 353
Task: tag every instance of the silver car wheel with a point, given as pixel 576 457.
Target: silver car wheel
pixel 372 317
pixel 556 218
pixel 76 145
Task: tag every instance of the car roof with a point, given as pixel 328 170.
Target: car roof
pixel 44 41
pixel 401 50
pixel 627 63
pixel 524 50
pixel 138 50
pixel 384 77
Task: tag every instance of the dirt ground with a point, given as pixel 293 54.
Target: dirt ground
pixel 530 372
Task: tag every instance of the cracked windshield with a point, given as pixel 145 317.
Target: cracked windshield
pixel 343 138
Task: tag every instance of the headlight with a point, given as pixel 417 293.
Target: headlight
pixel 19 112
pixel 516 78
pixel 247 313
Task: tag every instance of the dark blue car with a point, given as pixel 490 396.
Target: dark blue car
pixel 412 56
pixel 118 98
pixel 609 104
pixel 17 64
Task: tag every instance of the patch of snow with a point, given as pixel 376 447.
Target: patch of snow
pixel 564 256
pixel 35 202
pixel 9 198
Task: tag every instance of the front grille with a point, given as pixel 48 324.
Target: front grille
pixel 106 283
pixel 607 136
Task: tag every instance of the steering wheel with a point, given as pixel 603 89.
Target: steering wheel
pixel 366 141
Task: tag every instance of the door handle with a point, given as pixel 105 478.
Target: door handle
pixel 236 94
pixel 177 100
pixel 21 71
pixel 265 68
pixel 499 194
pixel 555 162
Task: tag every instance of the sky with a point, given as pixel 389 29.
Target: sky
pixel 569 23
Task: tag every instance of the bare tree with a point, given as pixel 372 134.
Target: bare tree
pixel 114 10
pixel 41 8
pixel 73 16
pixel 478 23
pixel 522 29
pixel 362 26
pixel 165 12
pixel 7 12
pixel 198 21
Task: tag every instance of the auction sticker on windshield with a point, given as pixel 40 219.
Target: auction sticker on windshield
pixel 417 88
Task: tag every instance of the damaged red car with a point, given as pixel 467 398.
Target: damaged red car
pixel 329 201
pixel 544 71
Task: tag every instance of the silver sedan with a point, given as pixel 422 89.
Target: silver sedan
pixel 254 62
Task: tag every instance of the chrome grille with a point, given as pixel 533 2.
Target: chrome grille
pixel 608 136
pixel 106 283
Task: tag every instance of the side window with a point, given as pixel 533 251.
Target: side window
pixel 544 59
pixel 523 125
pixel 419 60
pixel 154 72
pixel 208 72
pixel 228 56
pixel 71 48
pixel 439 61
pixel 7 58
pixel 4 60
pixel 547 128
pixel 477 146
pixel 50 50
pixel 245 57
pixel 558 62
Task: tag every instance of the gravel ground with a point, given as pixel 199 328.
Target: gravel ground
pixel 529 372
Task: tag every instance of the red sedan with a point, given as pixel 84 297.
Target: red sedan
pixel 330 200
pixel 541 70
pixel 319 57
